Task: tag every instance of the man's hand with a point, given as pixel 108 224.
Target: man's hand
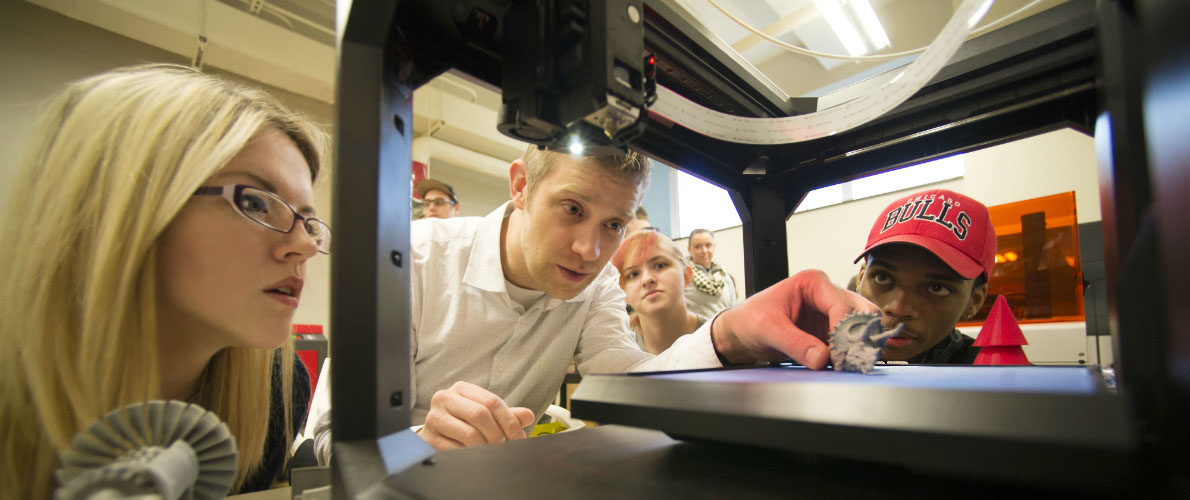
pixel 790 319
pixel 469 415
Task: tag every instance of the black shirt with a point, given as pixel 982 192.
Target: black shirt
pixel 276 447
pixel 954 349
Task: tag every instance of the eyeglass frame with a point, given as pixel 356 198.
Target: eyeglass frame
pixel 230 192
pixel 437 202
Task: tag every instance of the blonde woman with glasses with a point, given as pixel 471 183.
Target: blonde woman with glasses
pixel 155 246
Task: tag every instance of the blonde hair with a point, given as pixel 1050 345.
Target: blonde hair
pixel 112 161
pixel 632 165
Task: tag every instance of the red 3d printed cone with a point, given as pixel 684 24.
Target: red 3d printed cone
pixel 1000 339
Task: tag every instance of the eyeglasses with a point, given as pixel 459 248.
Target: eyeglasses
pixel 269 210
pixel 438 202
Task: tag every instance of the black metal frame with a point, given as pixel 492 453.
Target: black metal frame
pixel 370 274
pixel 1049 71
pixel 1022 436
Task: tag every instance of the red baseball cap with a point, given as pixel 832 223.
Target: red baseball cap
pixel 951 226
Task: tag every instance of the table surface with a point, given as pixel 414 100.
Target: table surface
pixel 1025 379
pixel 282 493
pixel 614 461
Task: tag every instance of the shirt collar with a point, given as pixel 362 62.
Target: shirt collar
pixel 942 351
pixel 484 270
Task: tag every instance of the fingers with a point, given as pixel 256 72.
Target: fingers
pixel 793 317
pixel 504 424
pixel 817 306
pixel 469 415
pixel 524 415
pixel 860 304
pixel 823 296
pixel 473 421
pixel 431 433
pixel 802 347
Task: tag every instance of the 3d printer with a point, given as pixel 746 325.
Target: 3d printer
pixel 573 69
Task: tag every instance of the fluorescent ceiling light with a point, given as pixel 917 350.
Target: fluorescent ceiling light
pixel 842 26
pixel 870 23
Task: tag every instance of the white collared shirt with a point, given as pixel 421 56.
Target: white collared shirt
pixel 466 327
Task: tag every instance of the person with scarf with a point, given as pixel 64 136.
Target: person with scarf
pixel 713 289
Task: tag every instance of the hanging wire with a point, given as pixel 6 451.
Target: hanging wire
pixel 880 57
pixel 200 47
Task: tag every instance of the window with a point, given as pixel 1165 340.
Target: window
pixel 702 205
pixel 705 205
pixel 909 177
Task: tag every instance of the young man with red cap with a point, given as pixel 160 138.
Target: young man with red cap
pixel 926 265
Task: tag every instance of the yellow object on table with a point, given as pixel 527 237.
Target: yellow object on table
pixel 547 428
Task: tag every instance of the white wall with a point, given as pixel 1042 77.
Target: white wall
pixel 478 193
pixel 41 51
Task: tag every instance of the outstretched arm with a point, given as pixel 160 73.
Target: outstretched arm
pixel 788 320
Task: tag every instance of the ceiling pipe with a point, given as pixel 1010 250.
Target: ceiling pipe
pixel 426 148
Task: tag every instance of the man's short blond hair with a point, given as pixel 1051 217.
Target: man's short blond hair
pixel 632 165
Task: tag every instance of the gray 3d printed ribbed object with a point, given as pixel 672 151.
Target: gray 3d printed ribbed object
pixel 167 448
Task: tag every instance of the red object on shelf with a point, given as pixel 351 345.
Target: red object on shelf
pixel 419 173
pixel 299 329
pixel 309 357
pixel 1000 339
pixel 310 360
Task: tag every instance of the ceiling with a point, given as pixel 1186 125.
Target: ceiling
pixel 908 23
pixel 314 19
pixel 289 44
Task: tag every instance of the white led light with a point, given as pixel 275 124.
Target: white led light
pixel 576 146
pixel 842 26
pixel 870 23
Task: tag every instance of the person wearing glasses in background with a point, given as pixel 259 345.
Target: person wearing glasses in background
pixel 156 242
pixel 439 199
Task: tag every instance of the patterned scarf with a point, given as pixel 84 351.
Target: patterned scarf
pixel 708 281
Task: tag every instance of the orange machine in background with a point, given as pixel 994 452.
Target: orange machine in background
pixel 1038 269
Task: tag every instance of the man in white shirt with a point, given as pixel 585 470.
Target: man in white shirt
pixel 500 304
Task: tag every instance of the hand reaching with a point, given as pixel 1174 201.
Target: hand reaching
pixel 788 320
